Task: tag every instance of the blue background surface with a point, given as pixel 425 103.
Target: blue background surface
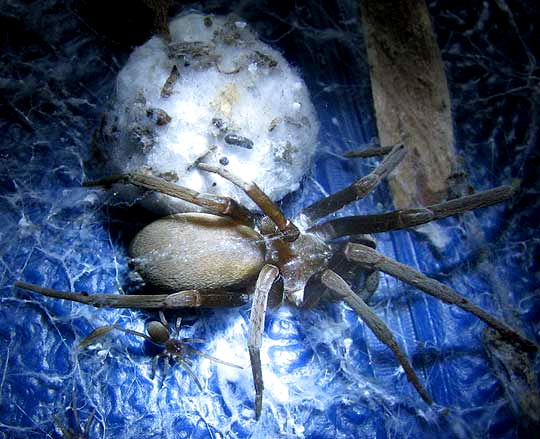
pixel 326 375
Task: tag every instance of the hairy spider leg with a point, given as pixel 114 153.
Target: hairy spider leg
pixel 267 277
pixel 374 260
pixel 215 203
pixel 288 229
pixel 181 299
pixel 333 281
pixel 358 190
pixel 405 218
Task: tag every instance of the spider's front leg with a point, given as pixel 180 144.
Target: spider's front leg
pixel 287 227
pixel 374 260
pixel 405 218
pixel 267 277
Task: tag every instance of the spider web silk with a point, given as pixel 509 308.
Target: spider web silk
pixel 326 376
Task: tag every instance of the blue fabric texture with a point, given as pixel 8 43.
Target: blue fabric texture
pixel 326 375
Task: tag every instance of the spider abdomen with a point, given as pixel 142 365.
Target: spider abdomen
pixel 197 251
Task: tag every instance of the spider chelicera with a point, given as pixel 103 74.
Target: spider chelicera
pixel 214 259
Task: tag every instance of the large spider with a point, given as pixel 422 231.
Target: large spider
pixel 212 259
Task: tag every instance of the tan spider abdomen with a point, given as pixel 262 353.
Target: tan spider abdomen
pixel 197 251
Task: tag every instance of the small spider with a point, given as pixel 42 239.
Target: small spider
pixel 159 333
pixel 212 259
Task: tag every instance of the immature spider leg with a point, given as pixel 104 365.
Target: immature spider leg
pixel 374 260
pixel 181 299
pixel 333 281
pixel 289 230
pixel 182 361
pixel 358 189
pixel 215 203
pixel 267 277
pixel 104 330
pixel 204 355
pixel 83 434
pixel 402 219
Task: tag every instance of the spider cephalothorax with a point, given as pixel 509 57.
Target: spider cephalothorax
pixel 213 259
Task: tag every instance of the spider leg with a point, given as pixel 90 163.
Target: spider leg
pixel 177 325
pixel 368 152
pixel 67 432
pixel 164 321
pixel 217 204
pixel 271 209
pixel 155 362
pixel 267 276
pixel 402 219
pixel 333 281
pixel 181 299
pixel 104 330
pixel 166 365
pixel 210 357
pixel 376 261
pixel 189 370
pixel 358 189
pixel 192 340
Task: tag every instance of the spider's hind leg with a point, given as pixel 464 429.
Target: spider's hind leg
pixel 217 204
